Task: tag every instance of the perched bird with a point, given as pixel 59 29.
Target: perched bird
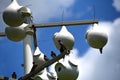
pixel 46 58
pixel 14 75
pixel 53 54
pixel 62 47
pixel 101 50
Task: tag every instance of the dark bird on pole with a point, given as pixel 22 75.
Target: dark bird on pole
pixel 101 50
pixel 53 54
pixel 14 75
pixel 46 58
pixel 62 47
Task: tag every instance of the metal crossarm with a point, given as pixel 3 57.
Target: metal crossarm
pixel 80 22
pixel 58 24
pixel 40 68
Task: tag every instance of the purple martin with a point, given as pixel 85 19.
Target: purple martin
pixel 53 54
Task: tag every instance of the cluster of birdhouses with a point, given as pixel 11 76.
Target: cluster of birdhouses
pixel 15 17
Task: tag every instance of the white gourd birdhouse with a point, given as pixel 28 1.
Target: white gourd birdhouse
pixel 14 15
pixel 67 70
pixel 96 38
pixel 16 33
pixel 38 57
pixel 65 36
pixel 45 76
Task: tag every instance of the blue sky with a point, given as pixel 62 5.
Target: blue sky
pixel 106 11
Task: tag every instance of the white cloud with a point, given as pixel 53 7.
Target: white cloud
pixel 116 4
pixel 46 9
pixel 93 65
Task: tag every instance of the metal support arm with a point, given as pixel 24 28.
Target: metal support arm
pixel 40 68
pixel 59 24
pixel 80 22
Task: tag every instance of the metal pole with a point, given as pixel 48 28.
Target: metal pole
pixel 40 68
pixel 70 23
pixel 59 24
pixel 27 46
pixel 28 56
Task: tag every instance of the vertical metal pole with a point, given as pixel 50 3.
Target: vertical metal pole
pixel 28 56
pixel 27 45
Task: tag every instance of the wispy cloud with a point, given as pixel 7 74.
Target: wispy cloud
pixel 46 9
pixel 116 4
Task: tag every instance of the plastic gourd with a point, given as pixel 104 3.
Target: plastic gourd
pixel 38 57
pixel 14 15
pixel 45 76
pixel 96 38
pixel 16 33
pixel 66 71
pixel 65 36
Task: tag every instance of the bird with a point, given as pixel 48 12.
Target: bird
pixel 46 58
pixel 101 50
pixel 14 75
pixel 53 54
pixel 62 47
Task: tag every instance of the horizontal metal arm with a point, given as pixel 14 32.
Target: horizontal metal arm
pixel 40 68
pixel 80 22
pixel 59 24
